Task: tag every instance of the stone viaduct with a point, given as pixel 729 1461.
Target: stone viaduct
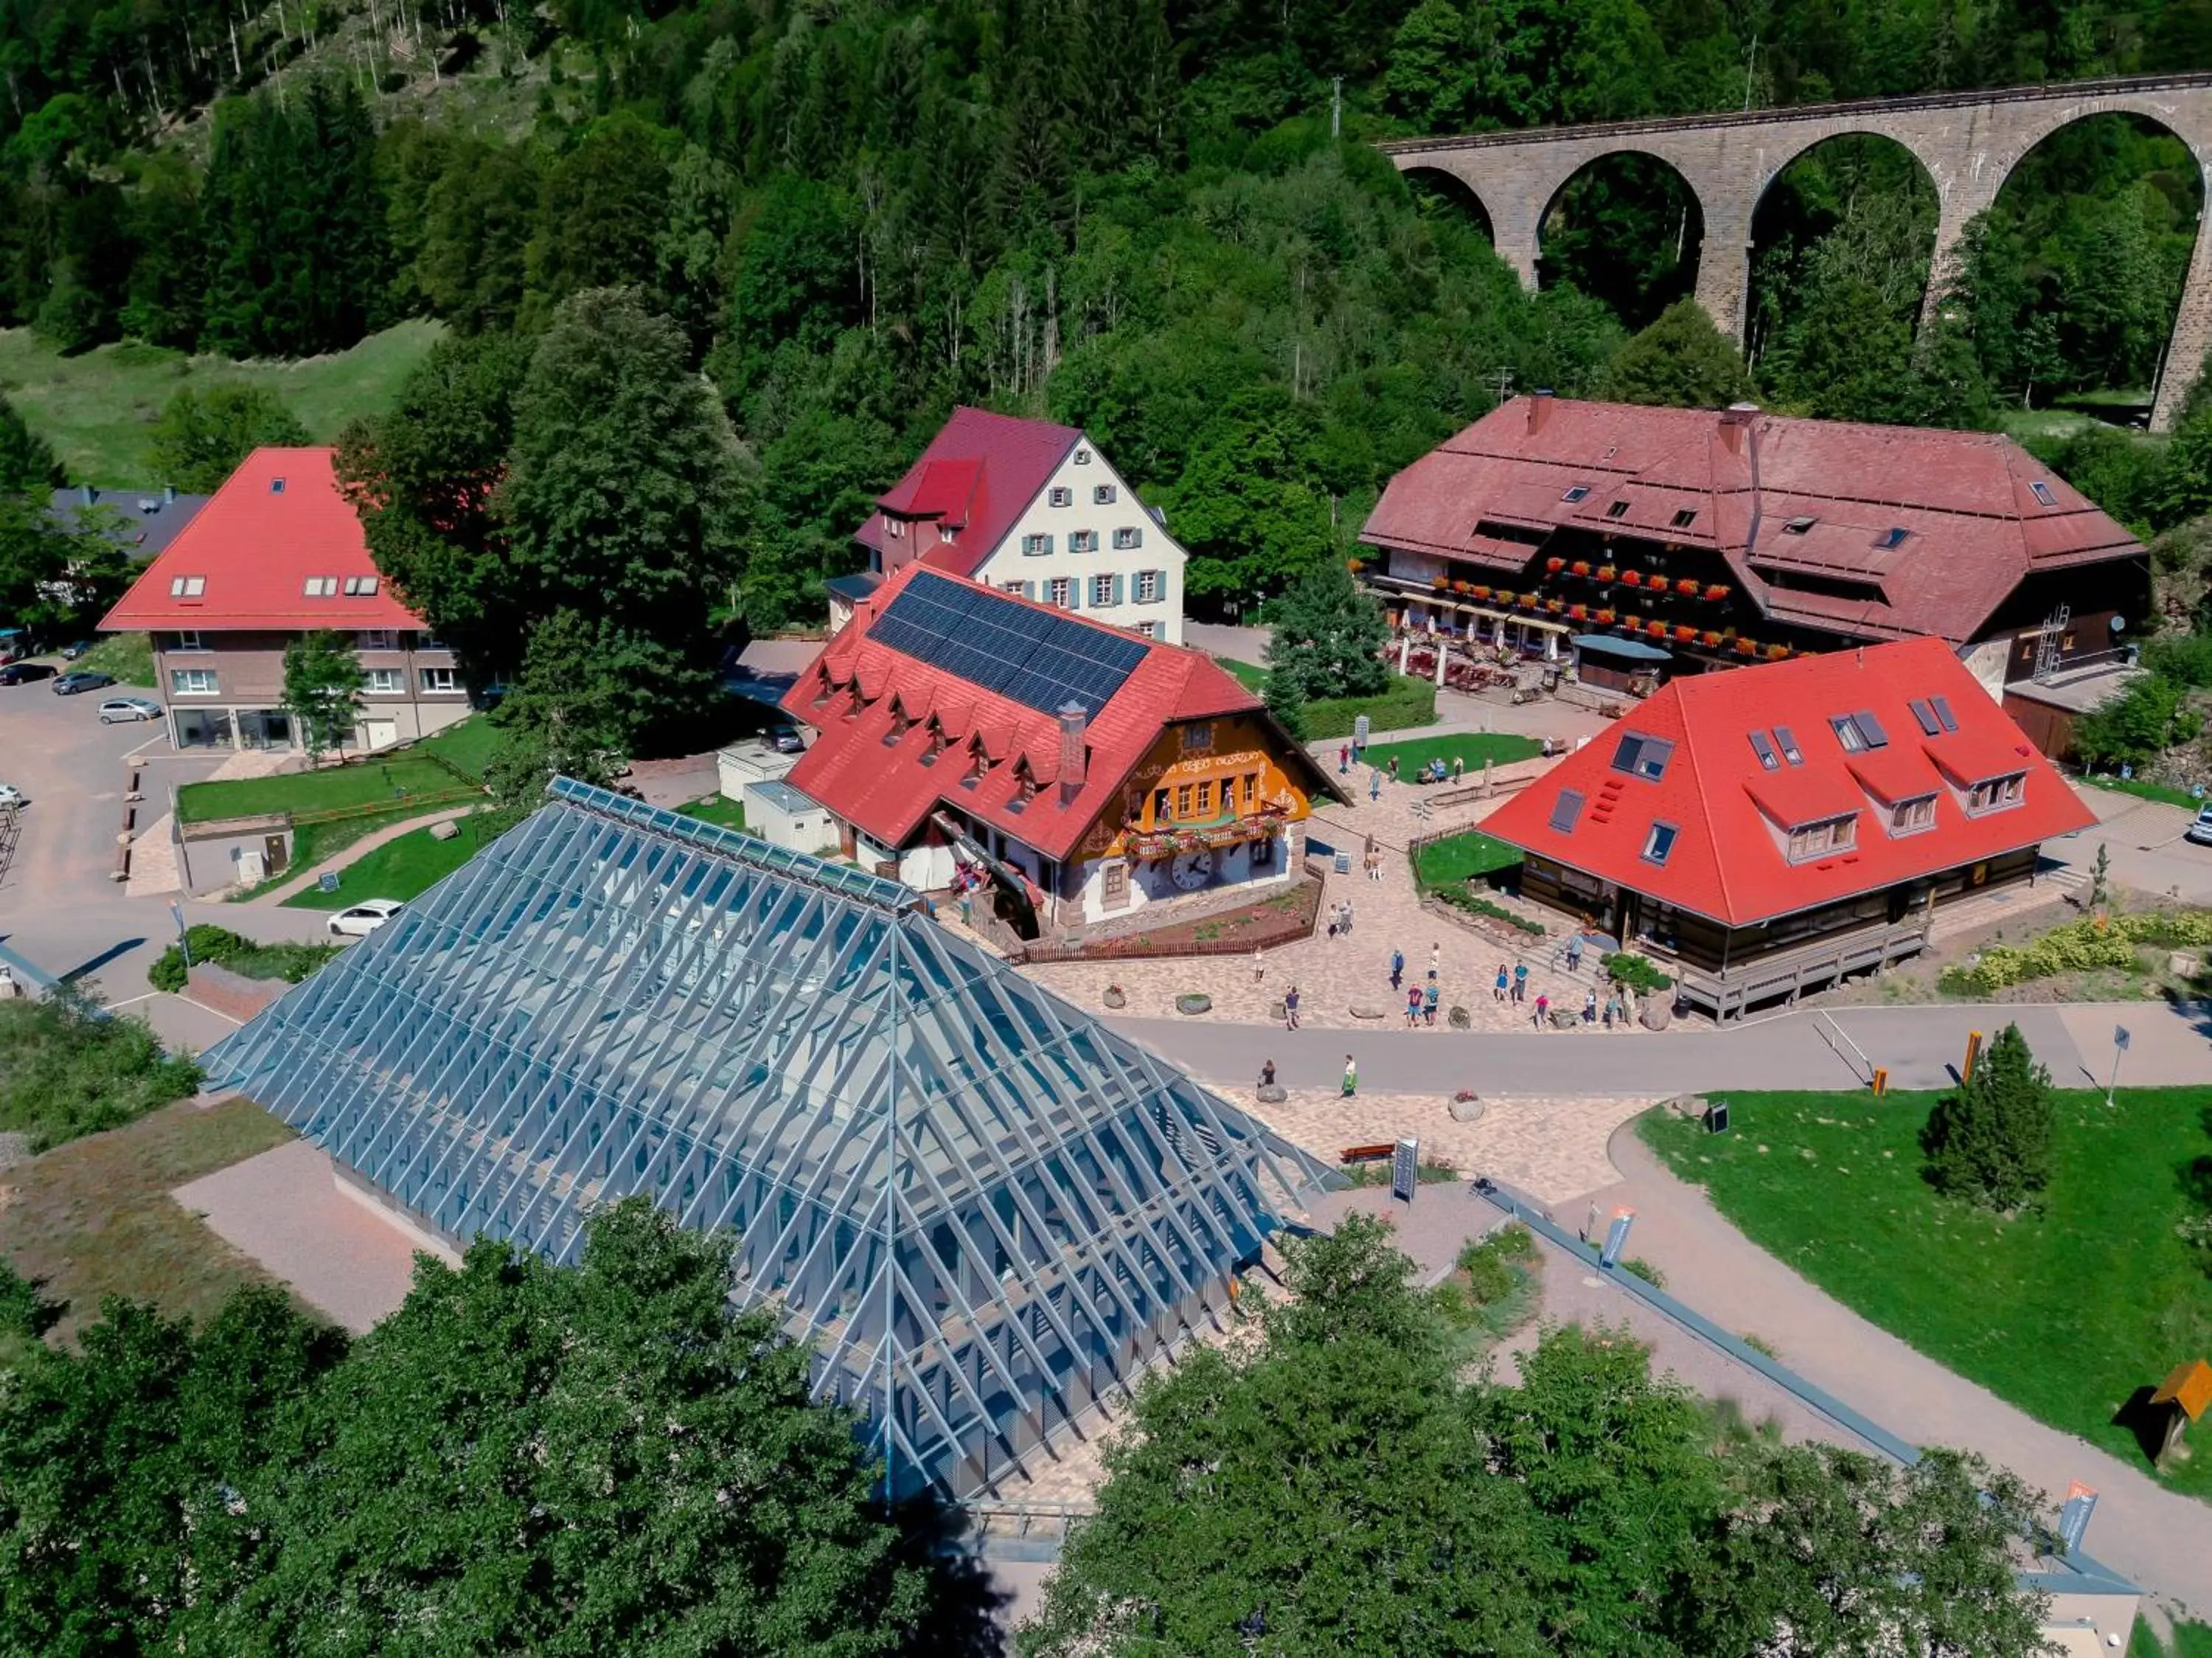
pixel 1968 142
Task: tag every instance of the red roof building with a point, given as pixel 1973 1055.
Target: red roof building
pixel 1826 805
pixel 1671 541
pixel 965 734
pixel 1028 507
pixel 278 552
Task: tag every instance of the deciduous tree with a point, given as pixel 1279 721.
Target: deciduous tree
pixel 202 437
pixel 322 682
pixel 1328 636
pixel 1681 361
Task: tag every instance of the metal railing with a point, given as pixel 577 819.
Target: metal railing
pixel 1838 1039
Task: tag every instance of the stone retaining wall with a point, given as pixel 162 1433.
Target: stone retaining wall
pixel 232 994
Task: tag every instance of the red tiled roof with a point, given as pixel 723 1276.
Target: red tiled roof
pixel 886 789
pixel 1733 816
pixel 254 548
pixel 1975 527
pixel 976 476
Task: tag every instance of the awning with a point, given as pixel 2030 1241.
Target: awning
pixel 1634 650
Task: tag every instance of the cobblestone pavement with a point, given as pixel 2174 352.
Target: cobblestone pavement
pixel 1333 975
pixel 154 859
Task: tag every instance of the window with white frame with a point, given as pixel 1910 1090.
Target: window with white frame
pixel 1149 586
pixel 320 587
pixel 1148 629
pixel 1035 546
pixel 1059 593
pixel 1127 537
pixel 1102 591
pixel 1104 495
pixel 1997 793
pixel 377 638
pixel 1061 496
pixel 1083 457
pixel 1082 540
pixel 1818 840
pixel 440 678
pixel 361 587
pixel 1909 817
pixel 188 640
pixel 193 682
pixel 187 586
pixel 384 680
pixel 1022 588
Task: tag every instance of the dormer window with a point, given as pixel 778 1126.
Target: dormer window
pixel 1910 817
pixel 895 527
pixel 1996 794
pixel 900 725
pixel 1813 841
pixel 937 742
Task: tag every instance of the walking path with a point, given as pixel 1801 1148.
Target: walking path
pixel 2161 1540
pixel 360 848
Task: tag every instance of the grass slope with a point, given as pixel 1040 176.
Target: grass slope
pixel 98 409
pixel 94 1217
pixel 2065 1313
pixel 1470 747
pixel 127 658
pixel 1460 858
pixel 390 780
pixel 403 868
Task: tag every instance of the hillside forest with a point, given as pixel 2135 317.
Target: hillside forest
pixel 1162 222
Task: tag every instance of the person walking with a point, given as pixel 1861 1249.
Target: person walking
pixel 1436 959
pixel 1397 969
pixel 1259 967
pixel 1412 1006
pixel 1266 1073
pixel 1543 1009
pixel 1498 992
pixel 1350 1078
pixel 1332 924
pixel 1611 1008
pixel 1590 1006
pixel 1343 758
pixel 1458 767
pixel 1347 917
pixel 1520 983
pixel 1575 954
pixel 1429 1003
pixel 1375 786
pixel 1393 768
pixel 1290 1009
pixel 1374 860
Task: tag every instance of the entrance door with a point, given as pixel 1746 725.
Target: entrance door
pixel 380 734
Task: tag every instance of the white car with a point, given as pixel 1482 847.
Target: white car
pixel 10 795
pixel 364 918
pixel 116 709
pixel 2201 831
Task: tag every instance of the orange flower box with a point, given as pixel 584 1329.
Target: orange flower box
pixel 1687 588
pixel 1557 607
pixel 1775 653
pixel 1745 647
pixel 1441 583
pixel 1554 566
pixel 1578 613
pixel 1606 617
pixel 1580 567
pixel 1631 579
pixel 1713 640
pixel 1607 572
pixel 1716 593
pixel 1685 633
pixel 1657 630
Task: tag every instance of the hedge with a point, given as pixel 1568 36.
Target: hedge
pixel 1635 972
pixel 1482 906
pixel 2080 946
pixel 287 962
pixel 1408 702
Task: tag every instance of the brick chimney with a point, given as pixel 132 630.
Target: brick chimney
pixel 1735 421
pixel 1540 407
pixel 1073 723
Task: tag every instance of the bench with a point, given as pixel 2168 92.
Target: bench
pixel 1376 1154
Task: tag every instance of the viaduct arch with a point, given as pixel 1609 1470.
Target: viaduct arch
pixel 1968 142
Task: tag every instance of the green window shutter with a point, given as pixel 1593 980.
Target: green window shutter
pixel 1121 587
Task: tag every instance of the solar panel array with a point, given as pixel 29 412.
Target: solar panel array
pixel 1041 660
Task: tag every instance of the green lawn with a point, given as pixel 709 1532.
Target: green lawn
pixel 1250 675
pixel 2137 786
pixel 403 868
pixel 1474 747
pixel 716 809
pixel 391 779
pixel 98 409
pixel 2191 1640
pixel 2066 1312
pixel 128 658
pixel 1447 862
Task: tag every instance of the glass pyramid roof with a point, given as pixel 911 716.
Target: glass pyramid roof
pixel 980 1206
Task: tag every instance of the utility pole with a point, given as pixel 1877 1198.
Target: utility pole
pixel 1336 107
pixel 1504 384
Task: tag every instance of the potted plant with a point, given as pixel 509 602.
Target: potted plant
pixel 1115 997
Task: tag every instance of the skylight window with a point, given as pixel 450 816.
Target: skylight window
pixel 1799 526
pixel 187 586
pixel 1579 492
pixel 1788 743
pixel 1659 842
pixel 1892 537
pixel 276 486
pixel 1566 810
pixel 1929 725
pixel 361 587
pixel 1684 519
pixel 1943 713
pixel 1847 733
pixel 320 587
pixel 2043 493
pixel 1643 757
pixel 1763 745
pixel 1618 509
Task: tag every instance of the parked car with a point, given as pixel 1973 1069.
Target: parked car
pixel 24 673
pixel 2201 831
pixel 364 918
pixel 11 795
pixel 784 739
pixel 69 684
pixel 70 653
pixel 122 710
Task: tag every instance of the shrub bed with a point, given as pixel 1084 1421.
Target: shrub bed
pixel 1635 972
pixel 2079 947
pixel 287 962
pixel 68 1068
pixel 1482 906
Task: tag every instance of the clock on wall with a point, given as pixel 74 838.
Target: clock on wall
pixel 1191 871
